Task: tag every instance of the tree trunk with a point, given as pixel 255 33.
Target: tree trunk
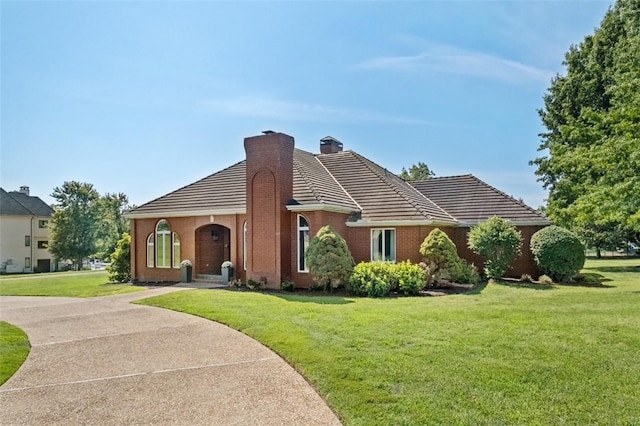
pixel 598 253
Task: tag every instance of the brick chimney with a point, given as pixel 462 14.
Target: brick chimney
pixel 330 145
pixel 269 189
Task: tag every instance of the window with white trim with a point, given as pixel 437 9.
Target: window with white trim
pixel 303 243
pixel 151 251
pixel 383 245
pixel 163 244
pixel 244 245
pixel 176 250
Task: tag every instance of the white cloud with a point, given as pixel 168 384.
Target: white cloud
pixel 452 60
pixel 265 107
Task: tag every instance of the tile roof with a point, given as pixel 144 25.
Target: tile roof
pixel 470 200
pixel 382 195
pixel 349 182
pixel 222 191
pixel 19 204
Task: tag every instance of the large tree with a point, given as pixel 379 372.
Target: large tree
pixel 591 145
pixel 418 171
pixel 73 234
pixel 111 224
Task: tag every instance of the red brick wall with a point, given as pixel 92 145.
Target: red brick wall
pixel 269 189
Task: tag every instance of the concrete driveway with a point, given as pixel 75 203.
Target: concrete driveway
pixel 105 361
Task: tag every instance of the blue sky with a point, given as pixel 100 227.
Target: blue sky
pixel 146 97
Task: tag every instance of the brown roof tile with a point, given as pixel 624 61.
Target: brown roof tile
pixel 470 200
pixel 382 195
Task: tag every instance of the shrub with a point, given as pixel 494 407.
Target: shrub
pixel 545 279
pixel 498 242
pixel 407 277
pixel 465 273
pixel 558 252
pixel 288 285
pixel 253 284
pixel 372 279
pixel 526 278
pixel 120 268
pixel 329 259
pixel 440 255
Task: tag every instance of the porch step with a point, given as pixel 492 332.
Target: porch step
pixel 204 281
pixel 208 278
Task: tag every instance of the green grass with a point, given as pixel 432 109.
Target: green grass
pixel 69 284
pixel 14 348
pixel 502 355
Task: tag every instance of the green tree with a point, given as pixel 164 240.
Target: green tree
pixel 120 268
pixel 73 234
pixel 592 140
pixel 329 259
pixel 112 224
pixel 498 242
pixel 418 171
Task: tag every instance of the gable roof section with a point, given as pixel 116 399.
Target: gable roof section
pixel 19 204
pixel 223 192
pixel 313 185
pixel 470 200
pixel 382 195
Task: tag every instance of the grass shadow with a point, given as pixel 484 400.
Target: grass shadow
pixel 319 300
pixel 476 290
pixel 527 285
pixel 624 268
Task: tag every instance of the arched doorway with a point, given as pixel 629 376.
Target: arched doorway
pixel 213 246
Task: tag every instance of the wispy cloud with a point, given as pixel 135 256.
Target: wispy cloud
pixel 269 108
pixel 453 60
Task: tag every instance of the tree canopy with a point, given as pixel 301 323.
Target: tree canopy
pixel 85 224
pixel 418 171
pixel 591 146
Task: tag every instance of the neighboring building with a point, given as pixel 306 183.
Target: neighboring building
pixel 24 233
pixel 261 212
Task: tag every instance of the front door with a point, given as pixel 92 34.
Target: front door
pixel 214 247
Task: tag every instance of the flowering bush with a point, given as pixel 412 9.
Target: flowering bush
pixel 227 264
pixel 185 263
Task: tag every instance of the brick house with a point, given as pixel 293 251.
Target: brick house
pixel 260 214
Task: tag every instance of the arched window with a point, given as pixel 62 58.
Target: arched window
pixel 163 244
pixel 244 244
pixel 303 243
pixel 151 251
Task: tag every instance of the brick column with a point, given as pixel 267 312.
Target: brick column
pixel 269 189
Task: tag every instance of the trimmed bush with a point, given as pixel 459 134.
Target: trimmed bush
pixel 440 256
pixel 329 259
pixel 407 277
pixel 287 285
pixel 498 242
pixel 120 268
pixel 558 252
pixel 372 279
pixel 465 273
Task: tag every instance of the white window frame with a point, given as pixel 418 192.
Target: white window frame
pixel 165 234
pixel 390 257
pixel 244 245
pixel 176 250
pixel 302 235
pixel 151 240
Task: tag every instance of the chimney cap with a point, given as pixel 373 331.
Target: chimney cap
pixel 24 189
pixel 268 132
pixel 330 145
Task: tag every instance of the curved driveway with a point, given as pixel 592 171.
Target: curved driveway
pixel 105 361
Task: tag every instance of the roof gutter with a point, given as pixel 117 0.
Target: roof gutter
pixel 184 213
pixel 320 207
pixel 541 222
pixel 394 223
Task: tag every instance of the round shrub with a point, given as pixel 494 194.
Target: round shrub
pixel 498 242
pixel 440 255
pixel 372 279
pixel 558 252
pixel 329 259
pixel 408 277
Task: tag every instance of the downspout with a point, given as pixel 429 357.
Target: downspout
pixel 31 241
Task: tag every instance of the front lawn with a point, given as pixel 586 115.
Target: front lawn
pixel 14 348
pixel 67 284
pixel 504 355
